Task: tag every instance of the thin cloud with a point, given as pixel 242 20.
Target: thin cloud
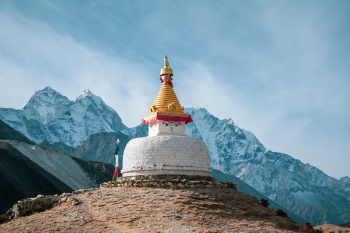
pixel 49 58
pixel 278 69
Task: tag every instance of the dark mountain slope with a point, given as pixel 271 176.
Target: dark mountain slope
pixel 97 171
pixel 8 133
pixel 58 146
pixel 21 178
pixel 100 147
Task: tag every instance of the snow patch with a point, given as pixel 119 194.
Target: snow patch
pixel 85 93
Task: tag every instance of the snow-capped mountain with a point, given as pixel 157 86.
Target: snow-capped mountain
pixel 88 115
pixel 52 117
pixel 302 188
pixel 46 105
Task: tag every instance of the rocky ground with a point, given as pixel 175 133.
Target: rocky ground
pixel 330 228
pixel 136 209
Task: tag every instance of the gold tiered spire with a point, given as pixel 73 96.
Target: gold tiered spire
pixel 166 106
pixel 166 100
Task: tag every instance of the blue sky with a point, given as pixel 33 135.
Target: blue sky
pixel 278 68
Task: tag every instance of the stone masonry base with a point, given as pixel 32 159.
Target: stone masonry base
pixel 168 181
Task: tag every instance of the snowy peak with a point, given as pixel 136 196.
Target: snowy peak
pixel 85 93
pixel 226 142
pixel 48 89
pixel 199 112
pixel 46 105
pixel 87 96
pixel 88 115
pixel 52 116
pixel 345 179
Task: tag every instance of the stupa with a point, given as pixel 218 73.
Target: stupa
pixel 167 150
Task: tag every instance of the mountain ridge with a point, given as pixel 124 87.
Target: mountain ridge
pixel 50 116
pixel 27 169
pixel 278 176
pixel 232 150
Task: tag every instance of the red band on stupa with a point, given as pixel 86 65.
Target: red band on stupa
pixel 166 117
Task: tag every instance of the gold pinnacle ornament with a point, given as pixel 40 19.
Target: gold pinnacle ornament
pixel 166 69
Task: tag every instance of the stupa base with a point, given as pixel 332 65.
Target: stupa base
pixel 175 172
pixel 169 177
pixel 168 181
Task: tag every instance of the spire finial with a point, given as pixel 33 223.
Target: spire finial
pixel 166 62
pixel 166 69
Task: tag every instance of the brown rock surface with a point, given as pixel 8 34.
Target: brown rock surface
pixel 329 228
pixel 131 209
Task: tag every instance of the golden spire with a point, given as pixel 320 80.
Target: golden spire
pixel 166 69
pixel 166 100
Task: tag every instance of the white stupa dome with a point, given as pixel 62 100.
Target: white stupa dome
pixel 177 155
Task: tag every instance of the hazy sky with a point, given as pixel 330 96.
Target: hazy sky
pixel 280 69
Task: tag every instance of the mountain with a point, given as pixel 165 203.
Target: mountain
pixel 136 132
pixel 58 146
pixel 57 163
pixel 34 130
pixel 97 171
pixel 247 189
pixel 88 115
pixel 20 177
pixel 27 169
pixel 100 147
pixel 46 105
pixel 7 133
pixel 53 117
pixel 301 188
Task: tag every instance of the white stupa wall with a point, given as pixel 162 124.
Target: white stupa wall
pixel 167 128
pixel 177 155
